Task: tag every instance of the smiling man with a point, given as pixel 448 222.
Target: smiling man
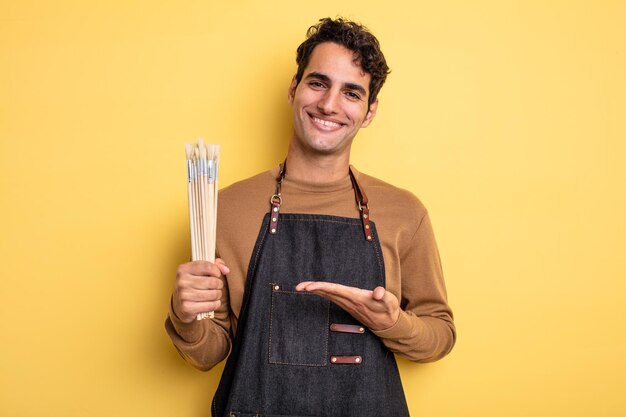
pixel 324 271
pixel 330 104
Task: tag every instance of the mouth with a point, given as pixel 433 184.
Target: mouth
pixel 325 124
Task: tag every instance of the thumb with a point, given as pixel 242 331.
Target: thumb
pixel 222 266
pixel 378 293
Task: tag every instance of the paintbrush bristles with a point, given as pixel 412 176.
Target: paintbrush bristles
pixel 202 163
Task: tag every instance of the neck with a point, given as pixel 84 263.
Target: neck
pixel 317 168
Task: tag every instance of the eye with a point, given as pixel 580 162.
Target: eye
pixel 352 95
pixel 316 84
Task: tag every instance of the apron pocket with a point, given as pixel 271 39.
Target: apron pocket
pixel 298 329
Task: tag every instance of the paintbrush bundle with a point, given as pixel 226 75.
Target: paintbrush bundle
pixel 202 164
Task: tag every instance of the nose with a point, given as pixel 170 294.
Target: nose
pixel 328 103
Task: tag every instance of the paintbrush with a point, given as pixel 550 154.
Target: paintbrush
pixel 202 163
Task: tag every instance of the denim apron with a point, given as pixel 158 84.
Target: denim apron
pixel 296 354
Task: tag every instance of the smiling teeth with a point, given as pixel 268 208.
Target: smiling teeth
pixel 325 122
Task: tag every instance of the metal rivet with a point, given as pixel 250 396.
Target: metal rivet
pixel 274 219
pixel 365 216
pixel 277 287
pixel 357 360
pixel 333 359
pixel 361 329
pixel 369 238
pixel 367 226
pixel 273 230
pixel 275 208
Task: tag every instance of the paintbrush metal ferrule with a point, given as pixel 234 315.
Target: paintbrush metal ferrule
pixel 190 170
pixel 210 170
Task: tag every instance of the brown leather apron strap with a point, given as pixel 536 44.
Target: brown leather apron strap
pixel 347 328
pixel 362 202
pixel 361 199
pixel 346 360
pixel 276 200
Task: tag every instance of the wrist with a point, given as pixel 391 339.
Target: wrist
pixel 389 322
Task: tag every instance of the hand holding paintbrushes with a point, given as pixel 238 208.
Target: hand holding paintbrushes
pixel 202 167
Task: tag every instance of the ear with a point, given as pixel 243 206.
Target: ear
pixel 292 90
pixel 370 114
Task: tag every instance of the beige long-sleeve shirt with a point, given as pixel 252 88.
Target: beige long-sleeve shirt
pixel 425 329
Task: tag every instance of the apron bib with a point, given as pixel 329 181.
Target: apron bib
pixel 296 354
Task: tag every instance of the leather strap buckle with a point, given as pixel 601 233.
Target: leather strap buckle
pixel 276 200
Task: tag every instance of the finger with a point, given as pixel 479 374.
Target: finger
pixel 199 268
pixel 311 286
pixel 199 296
pixel 208 283
pixel 351 298
pixel 332 288
pixel 353 303
pixel 191 308
pixel 301 286
pixel 200 283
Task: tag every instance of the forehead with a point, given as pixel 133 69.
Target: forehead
pixel 338 63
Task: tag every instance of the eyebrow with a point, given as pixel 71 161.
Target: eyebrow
pixel 326 78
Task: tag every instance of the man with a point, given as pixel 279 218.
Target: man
pixel 343 272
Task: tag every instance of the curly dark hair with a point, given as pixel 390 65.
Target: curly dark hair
pixel 352 36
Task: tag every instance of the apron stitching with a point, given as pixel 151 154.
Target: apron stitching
pixel 381 265
pixel 298 364
pixel 258 252
pixel 269 350
pixel 321 220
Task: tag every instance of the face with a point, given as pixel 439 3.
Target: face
pixel 330 102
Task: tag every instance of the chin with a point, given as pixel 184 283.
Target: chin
pixel 326 149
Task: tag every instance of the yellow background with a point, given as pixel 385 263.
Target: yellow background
pixel 505 117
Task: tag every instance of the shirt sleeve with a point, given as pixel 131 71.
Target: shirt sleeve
pixel 424 331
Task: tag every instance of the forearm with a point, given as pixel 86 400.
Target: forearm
pixel 203 344
pixel 424 331
pixel 420 338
